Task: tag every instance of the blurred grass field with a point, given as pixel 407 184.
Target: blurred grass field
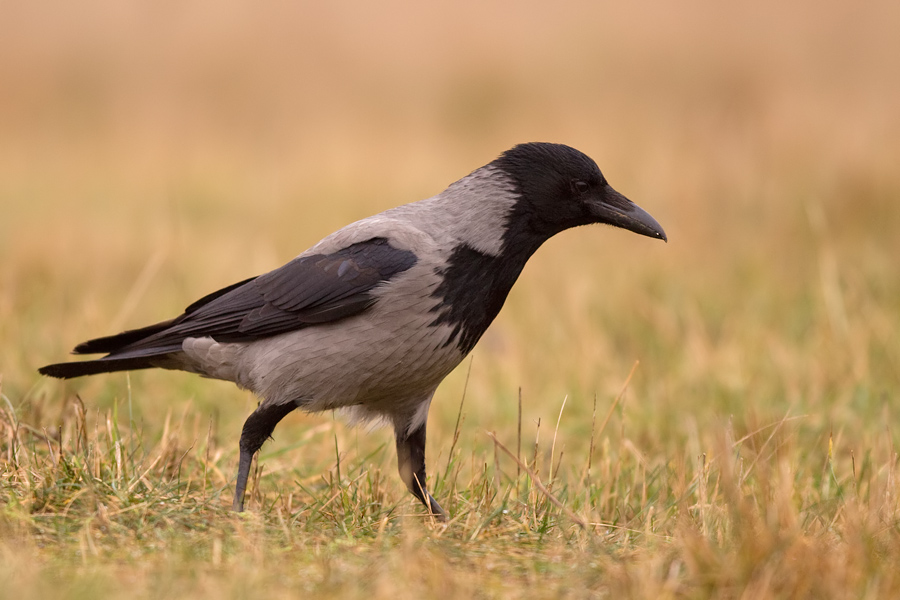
pixel 153 152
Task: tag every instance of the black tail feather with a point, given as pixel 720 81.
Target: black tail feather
pixel 112 343
pixel 93 367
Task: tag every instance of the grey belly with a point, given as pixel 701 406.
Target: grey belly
pixel 371 360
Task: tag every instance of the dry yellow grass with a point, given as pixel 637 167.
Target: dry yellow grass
pixel 152 152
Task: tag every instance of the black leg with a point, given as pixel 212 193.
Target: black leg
pixel 257 429
pixel 411 464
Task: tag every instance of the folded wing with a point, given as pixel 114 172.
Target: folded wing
pixel 309 290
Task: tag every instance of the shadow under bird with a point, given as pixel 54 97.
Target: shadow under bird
pixel 373 317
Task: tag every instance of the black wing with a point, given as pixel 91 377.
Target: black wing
pixel 308 290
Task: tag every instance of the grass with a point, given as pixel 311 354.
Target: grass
pixel 753 452
pixel 90 510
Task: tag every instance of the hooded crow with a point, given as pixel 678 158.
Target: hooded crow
pixel 373 317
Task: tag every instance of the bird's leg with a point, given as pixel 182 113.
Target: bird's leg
pixel 411 464
pixel 257 429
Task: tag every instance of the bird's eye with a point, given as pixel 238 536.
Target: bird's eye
pixel 579 187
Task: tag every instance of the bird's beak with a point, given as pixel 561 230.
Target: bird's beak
pixel 615 209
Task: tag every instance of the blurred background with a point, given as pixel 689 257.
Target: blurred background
pixel 151 152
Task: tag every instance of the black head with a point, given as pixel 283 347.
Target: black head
pixel 560 188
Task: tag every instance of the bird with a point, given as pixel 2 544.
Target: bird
pixel 372 318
